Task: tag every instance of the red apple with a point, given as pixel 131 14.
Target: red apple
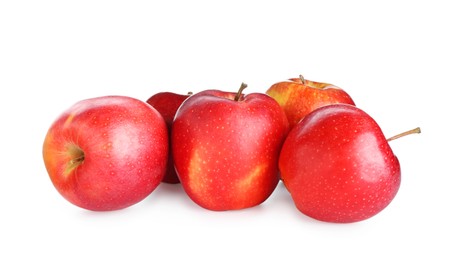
pixel 226 146
pixel 338 166
pixel 299 97
pixel 167 104
pixel 106 153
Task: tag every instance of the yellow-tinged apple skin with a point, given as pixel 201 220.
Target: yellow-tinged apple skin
pixel 226 151
pixel 299 97
pixel 106 153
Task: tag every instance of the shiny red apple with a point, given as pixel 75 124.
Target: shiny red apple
pixel 106 153
pixel 167 104
pixel 226 146
pixel 299 97
pixel 338 166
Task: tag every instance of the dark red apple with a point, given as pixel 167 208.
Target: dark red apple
pixel 338 166
pixel 106 153
pixel 167 104
pixel 226 147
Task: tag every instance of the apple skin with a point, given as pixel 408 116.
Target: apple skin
pixel 226 151
pixel 299 97
pixel 167 104
pixel 338 166
pixel 106 153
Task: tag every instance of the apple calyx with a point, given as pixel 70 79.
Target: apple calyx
pixel 77 158
pixel 416 130
pixel 239 92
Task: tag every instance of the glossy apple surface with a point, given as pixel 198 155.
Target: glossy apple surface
pixel 167 104
pixel 106 153
pixel 226 148
pixel 338 166
pixel 299 97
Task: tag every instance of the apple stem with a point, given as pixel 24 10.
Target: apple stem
pixel 416 130
pixel 239 93
pixel 302 79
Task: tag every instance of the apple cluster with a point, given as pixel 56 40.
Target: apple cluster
pixel 228 150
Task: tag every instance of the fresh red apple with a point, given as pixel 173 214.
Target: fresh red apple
pixel 338 166
pixel 106 153
pixel 167 104
pixel 299 97
pixel 226 146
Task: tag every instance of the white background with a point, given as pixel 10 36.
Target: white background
pixel 397 59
